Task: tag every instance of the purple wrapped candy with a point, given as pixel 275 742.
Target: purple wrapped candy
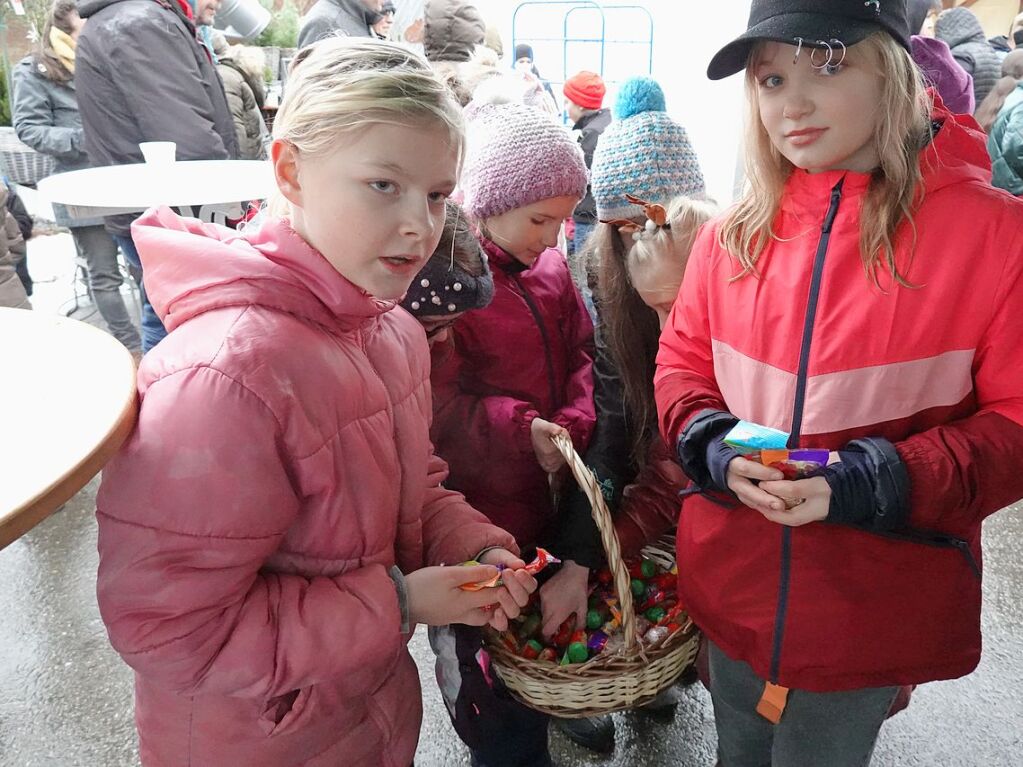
pixel 597 642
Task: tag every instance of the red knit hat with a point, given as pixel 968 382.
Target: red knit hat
pixel 585 89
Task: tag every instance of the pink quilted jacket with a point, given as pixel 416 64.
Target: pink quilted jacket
pixel 280 466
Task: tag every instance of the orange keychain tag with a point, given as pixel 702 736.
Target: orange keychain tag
pixel 772 703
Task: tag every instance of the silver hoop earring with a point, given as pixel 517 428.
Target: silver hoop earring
pixel 813 60
pixel 844 50
pixel 799 49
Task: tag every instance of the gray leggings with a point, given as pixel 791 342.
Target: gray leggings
pixel 832 729
pixel 100 253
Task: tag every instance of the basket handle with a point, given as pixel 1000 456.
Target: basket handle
pixel 622 583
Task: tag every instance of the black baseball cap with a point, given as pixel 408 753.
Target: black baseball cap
pixel 815 22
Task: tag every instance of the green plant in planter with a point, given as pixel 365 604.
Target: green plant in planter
pixel 5 97
pixel 282 31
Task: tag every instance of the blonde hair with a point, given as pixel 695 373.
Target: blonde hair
pixel 342 85
pixel 628 326
pixel 685 217
pixel 895 186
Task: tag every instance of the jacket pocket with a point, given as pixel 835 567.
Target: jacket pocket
pixel 281 713
pixel 934 540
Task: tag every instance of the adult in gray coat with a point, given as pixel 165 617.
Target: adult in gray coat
pixel 46 118
pixel 142 75
pixel 349 18
pixel 961 29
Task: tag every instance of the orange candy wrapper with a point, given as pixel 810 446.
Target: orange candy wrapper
pixel 543 558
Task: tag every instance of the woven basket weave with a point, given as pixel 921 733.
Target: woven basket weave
pixel 20 163
pixel 609 681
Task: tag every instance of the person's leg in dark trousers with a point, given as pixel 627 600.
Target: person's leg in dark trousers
pixel 153 330
pixel 499 731
pixel 837 729
pixel 99 250
pixel 21 268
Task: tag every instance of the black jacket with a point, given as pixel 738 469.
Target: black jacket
pixel 608 456
pixel 590 126
pixel 141 75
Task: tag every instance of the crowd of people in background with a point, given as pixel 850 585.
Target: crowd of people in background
pixel 545 280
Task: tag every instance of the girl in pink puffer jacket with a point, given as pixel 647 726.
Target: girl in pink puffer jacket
pixel 269 534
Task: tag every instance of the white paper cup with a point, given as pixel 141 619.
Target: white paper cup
pixel 159 152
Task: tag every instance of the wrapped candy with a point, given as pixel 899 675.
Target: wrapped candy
pixel 643 570
pixel 597 642
pixel 563 635
pixel 542 559
pixel 770 447
pixel 532 649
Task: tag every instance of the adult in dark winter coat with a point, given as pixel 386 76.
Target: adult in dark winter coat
pixel 584 101
pixel 961 29
pixel 328 18
pixel 46 118
pixel 245 96
pixel 142 75
pixel 451 30
pixel 12 252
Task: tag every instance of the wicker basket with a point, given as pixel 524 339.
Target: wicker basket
pixel 609 681
pixel 20 163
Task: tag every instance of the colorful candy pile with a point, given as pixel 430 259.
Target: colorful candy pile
pixel 658 615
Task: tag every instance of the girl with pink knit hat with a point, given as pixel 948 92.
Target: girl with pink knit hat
pixel 519 372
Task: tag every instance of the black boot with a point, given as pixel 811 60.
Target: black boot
pixel 597 733
pixel 662 708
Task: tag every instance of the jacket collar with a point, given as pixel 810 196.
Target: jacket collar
pixel 193 268
pixel 589 117
pixel 499 257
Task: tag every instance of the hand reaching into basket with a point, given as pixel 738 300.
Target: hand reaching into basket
pixel 564 594
pixel 549 457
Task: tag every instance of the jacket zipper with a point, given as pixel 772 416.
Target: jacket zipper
pixel 797 417
pixel 546 340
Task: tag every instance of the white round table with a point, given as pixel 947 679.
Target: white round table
pixel 114 189
pixel 68 403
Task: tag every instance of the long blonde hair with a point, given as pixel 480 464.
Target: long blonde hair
pixel 896 186
pixel 341 85
pixel 628 326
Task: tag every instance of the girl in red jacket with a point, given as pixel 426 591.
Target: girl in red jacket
pixel 520 370
pixel 271 532
pixel 865 296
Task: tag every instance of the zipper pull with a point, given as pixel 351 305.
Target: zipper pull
pixel 966 551
pixel 836 195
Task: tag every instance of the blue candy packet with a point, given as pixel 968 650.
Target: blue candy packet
pixel 750 438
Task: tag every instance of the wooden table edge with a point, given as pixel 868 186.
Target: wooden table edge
pixel 17 523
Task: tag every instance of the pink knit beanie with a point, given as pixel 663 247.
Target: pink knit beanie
pixel 517 156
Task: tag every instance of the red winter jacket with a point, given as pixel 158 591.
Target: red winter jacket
pixel 529 354
pixel 280 466
pixel 936 369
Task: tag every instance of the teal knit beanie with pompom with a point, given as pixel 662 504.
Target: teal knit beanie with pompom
pixel 643 153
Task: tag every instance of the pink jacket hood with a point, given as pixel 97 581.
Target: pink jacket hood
pixel 188 274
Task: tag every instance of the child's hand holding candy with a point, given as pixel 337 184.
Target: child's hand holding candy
pixel 518 584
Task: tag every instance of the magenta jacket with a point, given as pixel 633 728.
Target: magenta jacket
pixel 280 466
pixel 528 354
